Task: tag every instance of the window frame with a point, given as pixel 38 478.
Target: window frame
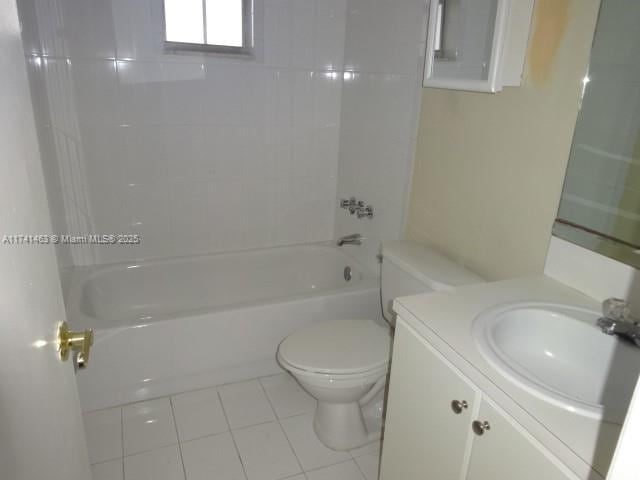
pixel 248 35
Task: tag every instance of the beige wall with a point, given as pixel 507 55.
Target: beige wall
pixel 489 168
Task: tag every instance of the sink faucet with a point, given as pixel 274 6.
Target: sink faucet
pixel 354 239
pixel 617 320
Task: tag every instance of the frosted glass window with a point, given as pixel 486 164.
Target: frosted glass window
pixel 184 21
pixel 224 23
pixel 211 25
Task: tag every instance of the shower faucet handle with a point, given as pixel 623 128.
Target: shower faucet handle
pixel 365 212
pixel 346 203
pixel 356 207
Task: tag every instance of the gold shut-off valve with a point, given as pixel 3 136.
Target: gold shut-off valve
pixel 71 341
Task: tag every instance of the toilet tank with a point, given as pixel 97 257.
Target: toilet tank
pixel 409 268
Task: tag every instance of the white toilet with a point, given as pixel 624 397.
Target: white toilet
pixel 344 363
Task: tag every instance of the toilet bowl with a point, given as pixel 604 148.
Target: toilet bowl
pixel 343 364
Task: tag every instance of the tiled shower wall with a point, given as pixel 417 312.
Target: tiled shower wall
pixel 384 52
pixel 204 154
pixel 195 153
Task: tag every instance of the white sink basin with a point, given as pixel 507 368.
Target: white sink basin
pixel 557 353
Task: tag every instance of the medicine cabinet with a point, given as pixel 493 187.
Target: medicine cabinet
pixel 477 45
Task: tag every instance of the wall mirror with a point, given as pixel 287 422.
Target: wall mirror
pixel 600 204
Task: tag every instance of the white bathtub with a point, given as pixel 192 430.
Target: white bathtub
pixel 168 326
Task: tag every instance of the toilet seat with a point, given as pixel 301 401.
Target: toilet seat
pixel 337 347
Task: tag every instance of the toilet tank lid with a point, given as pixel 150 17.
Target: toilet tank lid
pixel 428 266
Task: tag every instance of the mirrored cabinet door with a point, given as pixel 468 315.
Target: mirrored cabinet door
pixel 600 204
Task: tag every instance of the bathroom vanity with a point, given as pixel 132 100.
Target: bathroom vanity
pixel 454 413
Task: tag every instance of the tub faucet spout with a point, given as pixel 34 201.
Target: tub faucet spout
pixel 354 239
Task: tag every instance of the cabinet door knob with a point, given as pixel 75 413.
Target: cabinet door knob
pixel 480 427
pixel 458 406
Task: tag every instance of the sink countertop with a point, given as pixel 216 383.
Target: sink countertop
pixel 445 320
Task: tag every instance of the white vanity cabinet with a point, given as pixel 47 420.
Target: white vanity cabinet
pixel 423 436
pixel 430 434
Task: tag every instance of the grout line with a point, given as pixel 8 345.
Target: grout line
pixel 296 415
pixel 379 452
pixel 266 394
pixel 211 387
pixel 244 427
pixel 284 432
pixel 151 450
pixel 209 435
pixel 224 412
pixel 284 417
pixel 229 430
pixel 122 438
pixel 360 469
pixel 291 444
pixel 106 461
pixel 200 437
pixel 233 438
pixel 273 375
pixel 332 465
pixel 175 426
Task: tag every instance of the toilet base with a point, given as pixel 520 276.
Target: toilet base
pixel 344 426
pixel 340 426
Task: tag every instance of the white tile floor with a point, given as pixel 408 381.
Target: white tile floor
pixel 254 430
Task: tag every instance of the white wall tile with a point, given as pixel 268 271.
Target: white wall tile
pixel 228 156
pixel 278 28
pixel 134 30
pixel 382 36
pixel 228 215
pixel 379 117
pixel 261 213
pixel 185 152
pixel 140 92
pixel 183 91
pixel 330 26
pixel 27 12
pixel 88 28
pixel 264 140
pixel 95 84
pixel 303 34
pixel 188 217
pixel 145 154
pixel 225 94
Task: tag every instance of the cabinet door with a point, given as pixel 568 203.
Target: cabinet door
pixel 465 44
pixel 507 452
pixel 424 438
